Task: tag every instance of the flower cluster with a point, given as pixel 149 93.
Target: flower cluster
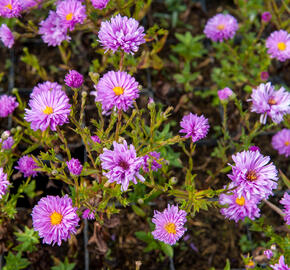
pixel 151 161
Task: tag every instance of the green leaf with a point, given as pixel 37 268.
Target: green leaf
pixel 138 211
pixel 167 249
pixel 64 265
pixel 228 266
pixel 15 262
pixel 29 239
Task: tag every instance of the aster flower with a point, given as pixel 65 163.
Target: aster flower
pixel 264 75
pixel 169 224
pixel 286 202
pixel 268 102
pixel 7 105
pixel 88 214
pixel 122 164
pixel 27 4
pixel 116 89
pixel 3 183
pixel 10 8
pixel 225 93
pixel 254 148
pixel 74 79
pixel 48 108
pixel 221 27
pixel 55 219
pixel 278 44
pixel 150 161
pixel 121 32
pixel 99 4
pixel 194 126
pixel 268 253
pixel 96 139
pixel 253 175
pixel 6 36
pixel 27 166
pixel 281 265
pixel 281 142
pixel 46 87
pixel 52 31
pixel 266 16
pixel 74 166
pixel 70 13
pixel 7 144
pixel 238 206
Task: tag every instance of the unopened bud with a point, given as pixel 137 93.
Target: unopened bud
pixel 14 91
pixel 18 128
pixel 54 172
pixel 173 180
pixel 5 135
pixel 13 130
pixel 84 94
pixel 140 201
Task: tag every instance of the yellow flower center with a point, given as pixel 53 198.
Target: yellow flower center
pixel 250 264
pixel 221 27
pixel 251 176
pixel 69 17
pixel 272 101
pixel 9 6
pixel 55 218
pixel 170 227
pixel 48 110
pixel 118 90
pixel 281 46
pixel 287 143
pixel 240 201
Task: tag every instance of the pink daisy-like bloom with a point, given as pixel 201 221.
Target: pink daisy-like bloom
pixel 268 253
pixel 281 265
pixel 7 105
pixel 268 102
pixel 194 126
pixel 221 27
pixel 74 79
pixel 121 32
pixel 281 142
pixel 6 36
pixel 264 75
pixel 27 166
pixel 10 8
pixel 286 202
pixel 4 183
pixel 266 16
pixel 88 214
pixel 253 175
pixel 122 164
pixel 278 44
pixel 55 219
pixel 52 31
pixel 225 93
pixel 96 139
pixel 169 224
pixel 7 144
pixel 254 148
pixel 27 4
pixel 70 13
pixel 75 167
pixel 48 109
pixel 116 89
pixel 99 4
pixel 238 206
pixel 150 161
pixel 46 87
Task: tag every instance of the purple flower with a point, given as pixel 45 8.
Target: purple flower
pixel 27 4
pixel 10 8
pixel 7 144
pixel 3 183
pixel 150 161
pixel 96 139
pixel 281 265
pixel 27 166
pixel 116 89
pixel 88 214
pixel 55 219
pixel 264 75
pixel 70 13
pixel 221 27
pixel 286 202
pixel 99 4
pixel 238 206
pixel 122 164
pixel 52 31
pixel 74 79
pixel 6 36
pixel 74 166
pixel 278 44
pixel 169 224
pixel 268 253
pixel 194 126
pixel 266 16
pixel 253 175
pixel 46 87
pixel 121 32
pixel 254 148
pixel 7 105
pixel 281 142
pixel 48 108
pixel 225 93
pixel 269 102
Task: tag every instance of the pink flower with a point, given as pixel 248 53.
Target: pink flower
pixel 99 4
pixel 281 142
pixel 6 36
pixel 75 167
pixel 225 93
pixel 286 202
pixel 278 44
pixel 74 79
pixel 7 105
pixel 266 16
pixel 27 166
pixel 10 8
pixel 4 183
